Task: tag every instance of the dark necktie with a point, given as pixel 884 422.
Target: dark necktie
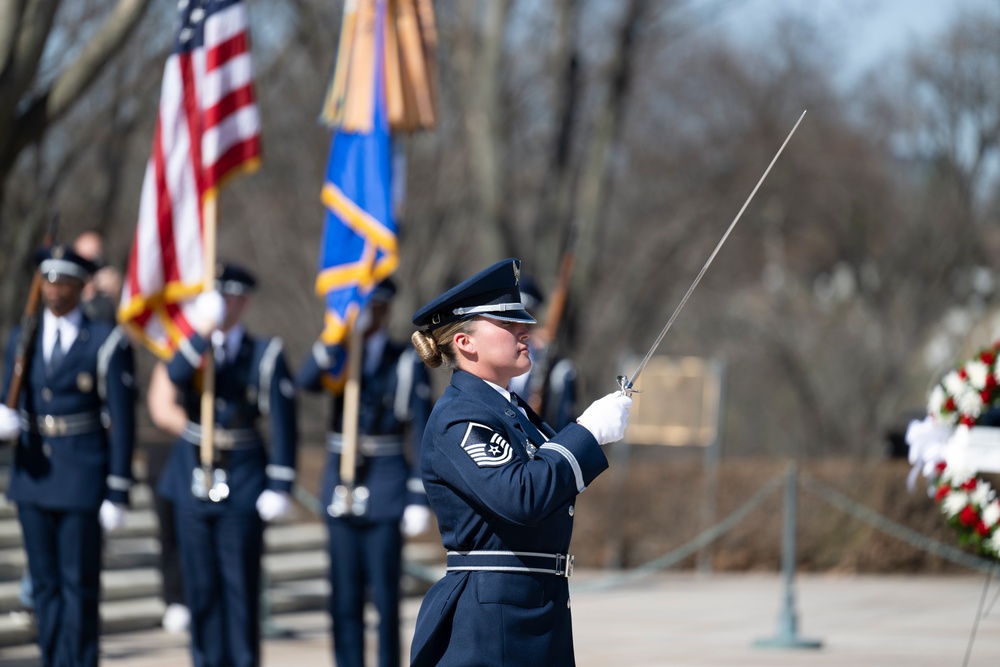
pixel 220 355
pixel 57 355
pixel 530 428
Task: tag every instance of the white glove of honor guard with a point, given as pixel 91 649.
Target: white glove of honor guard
pixel 111 516
pixel 607 417
pixel 416 518
pixel 273 505
pixel 10 423
pixel 208 310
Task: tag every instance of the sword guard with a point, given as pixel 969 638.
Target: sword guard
pixel 626 385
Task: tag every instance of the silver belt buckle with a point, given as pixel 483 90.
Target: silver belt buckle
pixel 564 565
pixel 54 426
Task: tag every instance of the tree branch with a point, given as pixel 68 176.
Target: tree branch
pixel 54 102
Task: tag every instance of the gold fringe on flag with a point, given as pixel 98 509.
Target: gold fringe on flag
pixel 410 47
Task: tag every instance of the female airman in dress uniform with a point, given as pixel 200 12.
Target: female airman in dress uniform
pixel 502 484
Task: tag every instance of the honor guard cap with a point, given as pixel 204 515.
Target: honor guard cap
pixel 234 280
pixel 493 292
pixel 59 262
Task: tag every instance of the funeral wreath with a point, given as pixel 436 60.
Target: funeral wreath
pixel 956 442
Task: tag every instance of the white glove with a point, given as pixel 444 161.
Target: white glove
pixel 273 505
pixel 10 423
pixel 607 417
pixel 208 310
pixel 416 518
pixel 112 516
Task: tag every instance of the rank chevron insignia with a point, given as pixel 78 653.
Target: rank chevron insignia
pixel 486 447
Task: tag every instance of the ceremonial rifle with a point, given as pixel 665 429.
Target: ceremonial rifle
pixel 626 382
pixel 538 386
pixel 29 325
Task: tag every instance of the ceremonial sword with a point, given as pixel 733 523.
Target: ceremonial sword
pixel 626 382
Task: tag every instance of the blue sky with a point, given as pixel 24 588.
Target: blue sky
pixel 863 31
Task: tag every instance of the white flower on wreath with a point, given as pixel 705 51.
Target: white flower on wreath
pixel 992 543
pixel 969 402
pixel 953 383
pixel 981 496
pixel 935 404
pixel 991 513
pixel 956 476
pixel 977 372
pixel 954 502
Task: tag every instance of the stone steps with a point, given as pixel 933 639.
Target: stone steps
pixel 294 562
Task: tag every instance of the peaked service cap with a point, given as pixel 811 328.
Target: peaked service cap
pixel 493 292
pixel 233 279
pixel 60 262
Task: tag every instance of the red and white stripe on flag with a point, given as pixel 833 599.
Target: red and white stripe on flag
pixel 207 130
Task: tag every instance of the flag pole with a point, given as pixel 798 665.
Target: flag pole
pixel 209 226
pixel 352 406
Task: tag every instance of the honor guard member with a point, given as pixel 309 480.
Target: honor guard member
pixel 72 464
pixel 502 484
pixel 366 540
pixel 221 529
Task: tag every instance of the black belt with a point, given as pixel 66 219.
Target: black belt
pixel 560 565
pixel 224 438
pixel 53 426
pixel 368 445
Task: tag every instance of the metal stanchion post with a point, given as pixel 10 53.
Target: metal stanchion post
pixel 787 635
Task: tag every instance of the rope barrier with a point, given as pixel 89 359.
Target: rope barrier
pixel 675 556
pixel 908 535
pixel 710 535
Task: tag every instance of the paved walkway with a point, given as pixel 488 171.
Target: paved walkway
pixel 683 619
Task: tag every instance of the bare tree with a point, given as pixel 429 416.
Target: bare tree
pixel 32 98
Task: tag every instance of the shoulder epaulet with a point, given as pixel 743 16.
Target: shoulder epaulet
pixel 114 339
pixel 266 373
pixel 404 384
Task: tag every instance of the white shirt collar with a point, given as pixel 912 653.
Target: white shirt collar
pixel 503 392
pixel 68 327
pixel 231 339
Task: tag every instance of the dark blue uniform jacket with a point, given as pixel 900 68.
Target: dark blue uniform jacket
pixel 95 383
pixel 497 484
pixel 256 382
pixel 395 401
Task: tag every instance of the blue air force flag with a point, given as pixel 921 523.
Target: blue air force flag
pixel 359 247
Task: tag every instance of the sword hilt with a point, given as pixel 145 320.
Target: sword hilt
pixel 625 385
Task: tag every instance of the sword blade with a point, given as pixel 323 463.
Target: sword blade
pixel 626 382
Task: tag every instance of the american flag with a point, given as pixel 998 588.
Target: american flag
pixel 359 247
pixel 207 131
